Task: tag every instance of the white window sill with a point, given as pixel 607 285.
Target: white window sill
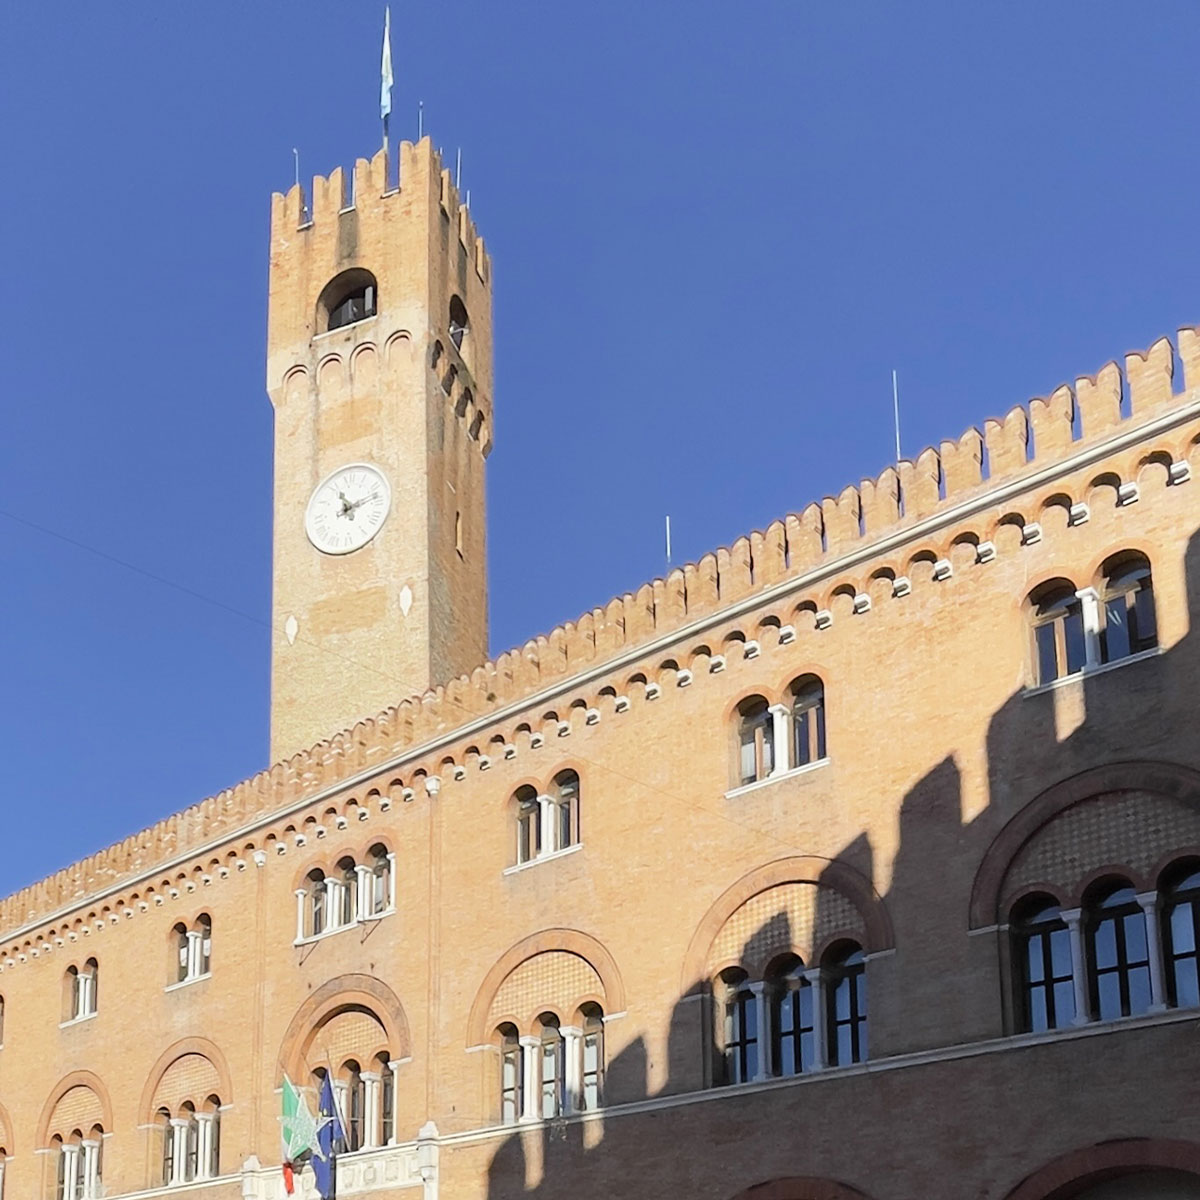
pixel 182 983
pixel 76 1020
pixel 535 862
pixel 328 333
pixel 1099 669
pixel 733 793
pixel 336 929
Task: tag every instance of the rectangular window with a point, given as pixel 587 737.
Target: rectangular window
pixel 592 1071
pixel 551 1077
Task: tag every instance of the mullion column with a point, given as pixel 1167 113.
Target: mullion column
pixel 1158 992
pixel 1073 917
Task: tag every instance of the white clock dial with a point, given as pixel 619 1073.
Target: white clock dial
pixel 348 509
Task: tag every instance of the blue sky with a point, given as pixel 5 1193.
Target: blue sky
pixel 715 230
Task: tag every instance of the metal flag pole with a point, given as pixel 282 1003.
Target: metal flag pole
pixel 458 170
pixel 420 119
pixel 668 540
pixel 296 157
pixel 385 75
pixel 896 411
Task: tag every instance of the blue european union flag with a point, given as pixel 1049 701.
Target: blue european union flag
pixel 331 1137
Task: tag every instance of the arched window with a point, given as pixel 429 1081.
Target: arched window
pixel 740 1028
pixel 354 1105
pixel 166 1134
pixel 846 1004
pixel 1119 955
pixel 381 879
pixel 459 323
pixel 551 1070
pixel 210 1139
pixel 564 796
pixel 93 1163
pixel 191 1134
pixel 808 721
pixel 349 297
pixel 204 948
pixel 1044 973
pixel 794 1018
pixel 182 955
pixel 347 890
pixel 756 745
pixel 1181 923
pixel 529 824
pixel 317 889
pixel 510 1074
pixel 387 1100
pixel 1060 646
pixel 1127 597
pixel 61 1165
pixel 591 1091
pixel 88 981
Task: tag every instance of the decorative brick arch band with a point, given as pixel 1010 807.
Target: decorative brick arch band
pixel 570 940
pixel 1165 779
pixel 346 992
pixel 1069 1175
pixel 801 1189
pixel 823 872
pixel 192 1045
pixel 85 1079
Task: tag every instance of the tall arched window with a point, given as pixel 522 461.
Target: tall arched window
pixel 1060 646
pixel 551 1069
pixel 1044 972
pixel 756 745
pixel 740 1028
pixel 210 1139
pixel 529 824
pixel 387 1099
pixel 846 1004
pixel 166 1134
pixel 1181 923
pixel 1129 622
pixel 182 956
pixel 380 864
pixel 591 1091
pixel 510 1074
pixel 1119 953
pixel 191 1135
pixel 808 720
pixel 347 891
pixel 349 297
pixel 354 1104
pixel 794 1023
pixel 204 949
pixel 317 890
pixel 564 796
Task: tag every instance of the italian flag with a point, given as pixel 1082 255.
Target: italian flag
pixel 299 1130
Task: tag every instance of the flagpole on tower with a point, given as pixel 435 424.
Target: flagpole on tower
pixel 385 75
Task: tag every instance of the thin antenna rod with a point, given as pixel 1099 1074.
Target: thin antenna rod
pixel 296 156
pixel 458 170
pixel 668 541
pixel 468 197
pixel 420 119
pixel 896 411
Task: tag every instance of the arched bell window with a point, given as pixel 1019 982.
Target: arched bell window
pixel 460 323
pixel 349 297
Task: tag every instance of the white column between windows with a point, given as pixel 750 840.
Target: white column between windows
pixel 204 1132
pixel 1073 917
pixel 572 1068
pixel 781 749
pixel 391 900
pixel 91 1169
pixel 546 817
pixel 70 1171
pixel 194 948
pixel 1158 991
pixel 301 897
pixel 86 1003
pixel 531 1078
pixel 371 1081
pixel 341 1090
pixel 333 903
pixel 393 1134
pixel 179 1141
pixel 816 983
pixel 366 891
pixel 1089 607
pixel 762 1024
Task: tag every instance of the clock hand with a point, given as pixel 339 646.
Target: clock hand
pixel 360 503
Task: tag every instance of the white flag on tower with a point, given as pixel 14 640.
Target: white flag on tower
pixel 385 67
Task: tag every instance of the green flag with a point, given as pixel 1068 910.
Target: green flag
pixel 298 1126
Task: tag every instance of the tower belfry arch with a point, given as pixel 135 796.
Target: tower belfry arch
pixel 379 368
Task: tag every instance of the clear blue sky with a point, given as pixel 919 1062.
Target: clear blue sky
pixel 716 228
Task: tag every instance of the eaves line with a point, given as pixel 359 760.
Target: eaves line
pixel 785 587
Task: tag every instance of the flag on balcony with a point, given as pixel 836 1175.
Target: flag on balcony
pixel 330 1138
pixel 299 1130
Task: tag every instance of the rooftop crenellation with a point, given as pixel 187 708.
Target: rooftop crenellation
pixel 1012 449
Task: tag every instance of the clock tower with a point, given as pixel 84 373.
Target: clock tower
pixel 379 366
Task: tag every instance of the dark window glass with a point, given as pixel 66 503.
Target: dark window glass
pixel 1059 643
pixel 355 307
pixel 846 1005
pixel 1042 955
pixel 795 1025
pixel 1120 960
pixel 808 722
pixel 1181 918
pixel 756 747
pixel 1130 624
pixel 741 1034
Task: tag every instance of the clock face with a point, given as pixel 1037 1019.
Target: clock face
pixel 348 509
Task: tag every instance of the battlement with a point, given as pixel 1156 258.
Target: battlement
pixel 1112 413
pixel 409 179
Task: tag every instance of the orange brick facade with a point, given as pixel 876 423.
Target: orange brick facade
pixel 951 786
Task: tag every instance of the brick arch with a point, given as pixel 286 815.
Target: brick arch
pixel 87 1079
pixel 191 1045
pixel 801 1189
pixel 1165 779
pixel 338 995
pixel 570 940
pixel 1070 1174
pixel 824 872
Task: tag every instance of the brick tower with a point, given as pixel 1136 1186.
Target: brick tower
pixel 379 366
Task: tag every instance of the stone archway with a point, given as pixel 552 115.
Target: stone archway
pixel 796 1188
pixel 1131 1169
